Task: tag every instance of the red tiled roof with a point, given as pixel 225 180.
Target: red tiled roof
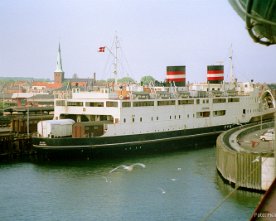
pixel 47 84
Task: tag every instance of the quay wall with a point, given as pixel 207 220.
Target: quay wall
pixel 15 142
pixel 251 170
pixel 14 146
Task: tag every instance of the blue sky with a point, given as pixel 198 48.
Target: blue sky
pixel 153 34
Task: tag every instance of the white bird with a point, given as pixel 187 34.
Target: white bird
pixel 162 190
pixel 128 168
pixel 173 179
pixel 179 168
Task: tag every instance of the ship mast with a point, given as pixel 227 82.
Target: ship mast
pixel 232 77
pixel 115 56
pixel 116 59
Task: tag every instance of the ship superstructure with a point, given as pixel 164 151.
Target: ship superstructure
pixel 162 109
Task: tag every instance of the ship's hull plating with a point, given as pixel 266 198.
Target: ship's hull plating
pixel 98 147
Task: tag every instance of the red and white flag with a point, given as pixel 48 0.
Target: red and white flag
pixel 101 49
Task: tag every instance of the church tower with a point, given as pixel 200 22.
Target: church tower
pixel 59 74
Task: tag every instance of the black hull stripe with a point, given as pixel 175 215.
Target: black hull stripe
pixel 127 143
pixel 158 140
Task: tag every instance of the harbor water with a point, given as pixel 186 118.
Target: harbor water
pixel 173 186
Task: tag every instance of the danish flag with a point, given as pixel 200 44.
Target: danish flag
pixel 101 49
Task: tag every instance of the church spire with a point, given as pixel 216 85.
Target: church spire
pixel 59 74
pixel 59 62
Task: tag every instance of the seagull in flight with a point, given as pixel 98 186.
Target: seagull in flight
pixel 128 168
pixel 162 190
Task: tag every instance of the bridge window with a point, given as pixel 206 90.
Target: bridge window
pixel 219 113
pixel 74 104
pixel 164 103
pixel 94 104
pixel 232 99
pixel 219 100
pixel 183 102
pixel 112 104
pixel 126 104
pixel 143 103
pixel 203 114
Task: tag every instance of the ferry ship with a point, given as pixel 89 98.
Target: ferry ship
pixel 131 119
pixel 136 119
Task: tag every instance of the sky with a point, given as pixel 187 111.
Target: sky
pixel 153 34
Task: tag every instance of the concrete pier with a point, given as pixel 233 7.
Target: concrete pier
pixel 244 160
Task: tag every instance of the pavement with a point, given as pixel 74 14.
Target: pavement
pixel 251 142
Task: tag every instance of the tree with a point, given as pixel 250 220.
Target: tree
pixel 147 79
pixel 126 80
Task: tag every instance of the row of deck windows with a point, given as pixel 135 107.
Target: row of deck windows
pixel 126 104
pixel 180 102
pixel 198 115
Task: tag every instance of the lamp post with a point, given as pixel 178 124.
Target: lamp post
pixel 28 121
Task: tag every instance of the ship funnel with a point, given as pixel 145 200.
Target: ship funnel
pixel 215 74
pixel 176 74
